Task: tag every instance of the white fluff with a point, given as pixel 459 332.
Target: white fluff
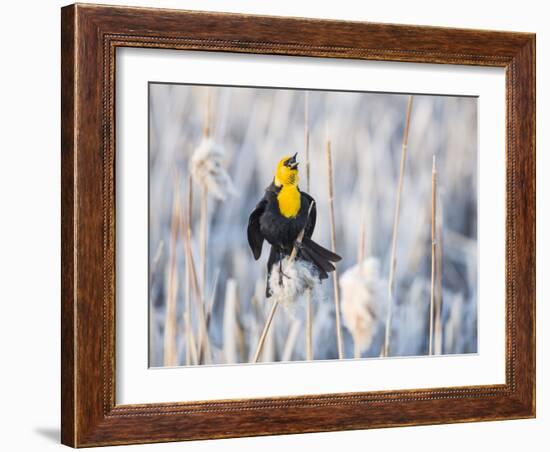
pixel 300 276
pixel 208 167
pixel 362 300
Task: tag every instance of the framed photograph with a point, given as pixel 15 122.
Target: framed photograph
pixel 281 225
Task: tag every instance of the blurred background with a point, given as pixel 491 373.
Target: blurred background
pixel 208 289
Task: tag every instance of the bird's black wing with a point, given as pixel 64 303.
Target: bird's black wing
pixel 255 237
pixel 310 227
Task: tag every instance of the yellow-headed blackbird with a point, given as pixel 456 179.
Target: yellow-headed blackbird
pixel 280 217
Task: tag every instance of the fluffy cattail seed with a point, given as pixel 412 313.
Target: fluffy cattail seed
pixel 208 168
pixel 298 276
pixel 363 294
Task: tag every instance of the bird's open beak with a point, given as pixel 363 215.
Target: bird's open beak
pixel 292 163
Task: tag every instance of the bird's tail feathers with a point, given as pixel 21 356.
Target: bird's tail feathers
pixel 319 256
pixel 321 251
pixel 323 266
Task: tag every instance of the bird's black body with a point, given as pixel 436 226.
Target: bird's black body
pixel 279 230
pixel 267 223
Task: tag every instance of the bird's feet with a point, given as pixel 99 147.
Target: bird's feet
pixel 282 274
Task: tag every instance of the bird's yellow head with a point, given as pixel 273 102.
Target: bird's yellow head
pixel 287 171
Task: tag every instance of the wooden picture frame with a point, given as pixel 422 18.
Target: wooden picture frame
pixel 90 35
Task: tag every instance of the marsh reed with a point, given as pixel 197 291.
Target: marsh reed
pixel 360 263
pixel 203 347
pixel 153 345
pixel 204 195
pixel 309 307
pixel 188 332
pixel 330 178
pixel 170 329
pixel 230 325
pixel 433 268
pixel 438 322
pixel 393 258
pixel 265 330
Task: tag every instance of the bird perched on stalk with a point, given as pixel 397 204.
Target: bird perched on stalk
pixel 279 218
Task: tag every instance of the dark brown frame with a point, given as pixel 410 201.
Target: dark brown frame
pixel 90 36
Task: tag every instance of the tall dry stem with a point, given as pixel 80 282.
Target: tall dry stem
pixel 152 315
pixel 203 343
pixel 309 307
pixel 393 259
pixel 306 139
pixel 170 330
pixel 333 245
pixel 230 324
pixel 190 343
pixel 360 262
pixel 438 323
pixel 203 234
pixel 210 305
pixel 207 122
pixel 267 324
pixel 203 238
pixel 432 284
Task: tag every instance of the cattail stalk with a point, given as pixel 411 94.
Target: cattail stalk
pixel 207 114
pixel 152 315
pixel 360 262
pixel 393 259
pixel 210 306
pixel 170 329
pixel 203 234
pixel 203 345
pixel 432 285
pixel 306 137
pixel 275 304
pixel 438 323
pixel 203 238
pixel 309 325
pixel 190 346
pixel 187 316
pixel 230 325
pixel 154 264
pixel 309 307
pixel 261 341
pixel 333 244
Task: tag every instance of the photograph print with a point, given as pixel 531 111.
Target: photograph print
pixel 298 225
